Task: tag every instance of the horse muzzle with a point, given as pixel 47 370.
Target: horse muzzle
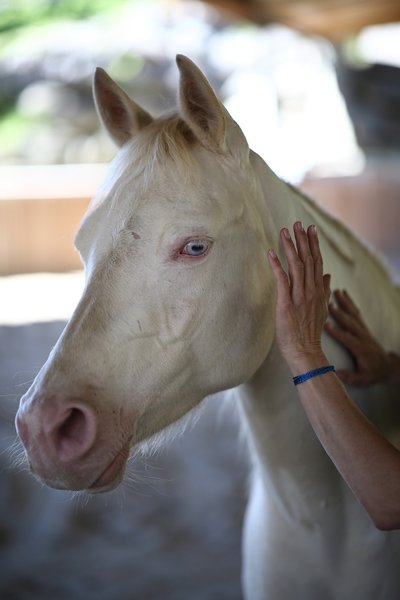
pixel 68 446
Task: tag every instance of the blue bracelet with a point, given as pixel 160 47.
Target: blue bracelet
pixel 310 374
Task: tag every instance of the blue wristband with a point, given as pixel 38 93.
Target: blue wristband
pixel 310 374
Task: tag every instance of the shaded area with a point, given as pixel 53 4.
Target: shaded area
pixel 372 95
pixel 171 532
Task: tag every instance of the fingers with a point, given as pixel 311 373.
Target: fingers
pixel 282 282
pixel 315 252
pixel 305 255
pixel 346 303
pixel 349 322
pixel 302 243
pixel 347 339
pixel 295 264
pixel 305 266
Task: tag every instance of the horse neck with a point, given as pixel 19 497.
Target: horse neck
pixel 294 466
pixel 295 471
pixel 280 204
pixel 279 433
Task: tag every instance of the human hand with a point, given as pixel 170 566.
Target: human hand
pixel 372 363
pixel 302 303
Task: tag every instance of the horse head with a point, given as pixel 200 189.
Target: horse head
pixel 177 301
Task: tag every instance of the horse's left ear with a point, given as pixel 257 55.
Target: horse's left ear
pixel 200 107
pixel 121 116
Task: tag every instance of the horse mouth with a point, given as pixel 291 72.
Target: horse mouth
pixel 113 474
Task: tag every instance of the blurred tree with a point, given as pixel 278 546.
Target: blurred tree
pixel 20 13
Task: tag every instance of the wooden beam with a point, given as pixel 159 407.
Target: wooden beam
pixel 334 19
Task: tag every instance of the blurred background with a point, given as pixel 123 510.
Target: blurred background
pixel 315 86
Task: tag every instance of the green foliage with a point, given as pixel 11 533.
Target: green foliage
pixel 125 67
pixel 20 13
pixel 13 130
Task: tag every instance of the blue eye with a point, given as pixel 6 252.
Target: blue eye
pixel 196 248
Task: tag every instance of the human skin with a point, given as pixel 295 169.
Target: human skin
pixel 372 363
pixel 369 464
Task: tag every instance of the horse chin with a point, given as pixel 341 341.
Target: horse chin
pixel 112 476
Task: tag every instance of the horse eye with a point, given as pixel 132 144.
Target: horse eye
pixel 195 248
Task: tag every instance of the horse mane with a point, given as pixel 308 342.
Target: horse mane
pixel 339 235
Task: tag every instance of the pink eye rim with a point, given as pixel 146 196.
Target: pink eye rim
pixel 195 248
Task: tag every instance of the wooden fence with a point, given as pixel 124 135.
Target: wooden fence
pixel 41 207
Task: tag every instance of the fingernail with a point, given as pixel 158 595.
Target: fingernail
pixel 299 225
pixel 313 229
pixel 272 253
pixel 286 233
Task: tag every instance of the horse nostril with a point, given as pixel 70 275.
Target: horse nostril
pixel 75 434
pixel 74 425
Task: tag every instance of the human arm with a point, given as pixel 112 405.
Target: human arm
pixel 366 460
pixel 372 363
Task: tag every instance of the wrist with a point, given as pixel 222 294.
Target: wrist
pixel 302 362
pixel 303 377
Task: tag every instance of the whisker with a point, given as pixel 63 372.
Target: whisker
pixel 31 372
pixel 80 499
pixel 16 455
pixel 144 475
pixel 24 383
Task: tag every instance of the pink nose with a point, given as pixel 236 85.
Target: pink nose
pixel 74 433
pixel 64 431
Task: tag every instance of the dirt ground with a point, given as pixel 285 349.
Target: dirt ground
pixel 171 532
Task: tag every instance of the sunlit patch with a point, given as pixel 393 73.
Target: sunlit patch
pixel 52 297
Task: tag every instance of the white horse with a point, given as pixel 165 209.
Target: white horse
pixel 179 304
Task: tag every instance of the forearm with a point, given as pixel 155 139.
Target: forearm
pixel 366 460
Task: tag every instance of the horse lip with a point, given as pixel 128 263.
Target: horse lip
pixel 112 474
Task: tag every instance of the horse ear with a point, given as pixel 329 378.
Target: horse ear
pixel 122 117
pixel 199 105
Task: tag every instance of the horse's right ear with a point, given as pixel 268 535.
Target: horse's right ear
pixel 200 107
pixel 122 117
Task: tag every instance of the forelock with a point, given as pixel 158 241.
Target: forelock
pixel 167 141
